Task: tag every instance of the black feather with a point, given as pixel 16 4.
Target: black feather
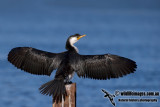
pixel 34 61
pixel 104 66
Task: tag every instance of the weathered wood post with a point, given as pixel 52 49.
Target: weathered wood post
pixel 70 100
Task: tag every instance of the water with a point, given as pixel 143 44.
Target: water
pixel 126 28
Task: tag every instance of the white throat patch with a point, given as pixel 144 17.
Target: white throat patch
pixel 72 41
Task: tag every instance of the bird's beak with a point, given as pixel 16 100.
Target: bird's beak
pixel 81 37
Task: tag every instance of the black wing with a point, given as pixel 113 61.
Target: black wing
pixel 34 61
pixel 103 66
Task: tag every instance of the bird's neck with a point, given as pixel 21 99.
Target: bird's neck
pixel 71 47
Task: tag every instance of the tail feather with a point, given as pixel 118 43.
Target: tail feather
pixel 56 88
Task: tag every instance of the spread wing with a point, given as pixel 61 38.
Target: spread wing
pixel 34 61
pixel 103 66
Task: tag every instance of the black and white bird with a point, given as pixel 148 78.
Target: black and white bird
pixel 67 63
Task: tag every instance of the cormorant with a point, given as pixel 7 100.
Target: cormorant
pixel 67 63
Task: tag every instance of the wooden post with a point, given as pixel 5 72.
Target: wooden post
pixel 70 100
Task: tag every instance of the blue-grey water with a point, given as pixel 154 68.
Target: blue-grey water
pixel 129 28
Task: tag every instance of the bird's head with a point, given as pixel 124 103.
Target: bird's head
pixel 74 38
pixel 71 40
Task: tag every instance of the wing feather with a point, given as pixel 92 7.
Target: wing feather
pixel 103 66
pixel 35 61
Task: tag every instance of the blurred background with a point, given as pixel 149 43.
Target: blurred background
pixel 129 28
